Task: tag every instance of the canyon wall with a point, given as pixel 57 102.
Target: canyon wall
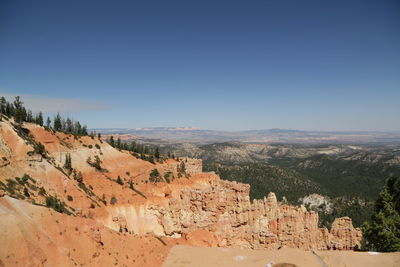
pixel 224 209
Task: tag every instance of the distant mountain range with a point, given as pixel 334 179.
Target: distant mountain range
pixel 203 136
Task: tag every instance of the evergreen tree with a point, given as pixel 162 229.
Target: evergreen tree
pixel 383 232
pixel 182 167
pixel 9 109
pixel 119 180
pixel 19 115
pixel 77 128
pixel 97 163
pixel 39 119
pixel 29 116
pixel 119 143
pixel 157 153
pixel 3 105
pixel 57 125
pixel 111 141
pixel 68 162
pixel 69 126
pixel 63 125
pixel 48 122
pixel 84 130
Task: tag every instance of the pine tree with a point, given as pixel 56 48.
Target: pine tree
pixel 9 109
pixel 111 141
pixel 119 180
pixel 63 125
pixel 29 116
pixel 69 126
pixel 119 143
pixel 383 232
pixel 39 119
pixel 77 128
pixel 57 125
pixel 97 163
pixel 3 105
pixel 84 130
pixel 182 167
pixel 157 153
pixel 19 115
pixel 48 122
pixel 68 162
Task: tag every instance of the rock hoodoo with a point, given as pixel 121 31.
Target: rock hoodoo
pixel 224 208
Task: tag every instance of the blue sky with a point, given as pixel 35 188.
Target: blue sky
pixel 227 65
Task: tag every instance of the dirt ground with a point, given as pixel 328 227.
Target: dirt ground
pixel 185 256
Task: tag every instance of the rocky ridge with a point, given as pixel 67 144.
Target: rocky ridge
pixel 224 209
pixel 220 210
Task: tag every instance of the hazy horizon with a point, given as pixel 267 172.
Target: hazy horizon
pixel 194 128
pixel 232 66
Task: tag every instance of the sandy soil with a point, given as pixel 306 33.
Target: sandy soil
pixel 184 256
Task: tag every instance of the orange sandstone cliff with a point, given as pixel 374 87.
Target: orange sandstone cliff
pixel 198 208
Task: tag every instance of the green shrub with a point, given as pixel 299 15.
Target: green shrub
pixel 40 149
pixel 42 191
pixel 55 204
pixel 155 176
pixel 26 192
pixel 119 180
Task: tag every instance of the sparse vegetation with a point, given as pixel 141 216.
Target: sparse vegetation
pixel 103 199
pixel 168 177
pixel 40 149
pixel 140 151
pixel 181 169
pixel 155 176
pixel 42 191
pixel 135 190
pixel 20 114
pixel 56 204
pixel 119 180
pixel 19 187
pixel 96 163
pixel 68 163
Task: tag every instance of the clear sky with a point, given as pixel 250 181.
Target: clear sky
pixel 228 65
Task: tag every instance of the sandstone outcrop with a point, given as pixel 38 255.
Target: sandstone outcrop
pixel 36 236
pixel 224 208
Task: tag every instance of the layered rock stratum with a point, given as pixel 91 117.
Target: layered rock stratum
pixel 194 208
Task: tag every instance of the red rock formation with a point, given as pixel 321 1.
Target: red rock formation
pixel 224 208
pixel 199 202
